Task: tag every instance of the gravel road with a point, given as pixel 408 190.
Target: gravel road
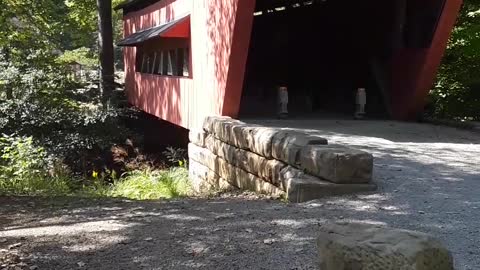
pixel 428 177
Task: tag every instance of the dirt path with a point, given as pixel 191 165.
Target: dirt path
pixel 428 180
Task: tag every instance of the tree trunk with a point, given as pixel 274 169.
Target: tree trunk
pixel 105 43
pixel 8 88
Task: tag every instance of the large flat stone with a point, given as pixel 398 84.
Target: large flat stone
pixel 223 129
pixel 306 188
pixel 234 175
pixel 229 130
pixel 210 160
pixel 268 169
pixel 287 144
pixel 259 140
pixel 204 180
pixel 248 137
pixel 337 164
pixel 248 181
pixel 364 246
pixel 197 137
pixel 210 121
pixel 203 156
pixel 219 148
pixel 238 136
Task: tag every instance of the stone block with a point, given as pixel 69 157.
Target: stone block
pixel 345 246
pixel 223 129
pixel 337 164
pixel 197 137
pixel 306 188
pixel 237 136
pixel 210 121
pixel 234 175
pixel 249 137
pixel 259 140
pixel 287 144
pixel 248 181
pixel 204 180
pixel 268 169
pixel 203 156
pixel 219 148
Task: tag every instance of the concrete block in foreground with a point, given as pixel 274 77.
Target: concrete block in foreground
pixel 361 246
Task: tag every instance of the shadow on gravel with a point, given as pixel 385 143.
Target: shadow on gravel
pixel 428 180
pixel 222 233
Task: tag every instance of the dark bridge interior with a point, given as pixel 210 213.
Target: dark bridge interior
pixel 323 50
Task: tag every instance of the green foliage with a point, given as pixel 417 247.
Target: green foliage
pixel 24 169
pixel 65 116
pixel 456 94
pixel 152 184
pixel 63 128
pixel 83 56
pixel 27 169
pixel 84 14
pixel 176 156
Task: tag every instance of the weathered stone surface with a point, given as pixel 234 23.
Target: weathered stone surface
pixel 268 169
pixel 221 149
pixel 259 140
pixel 248 181
pixel 289 172
pixel 210 121
pixel 337 164
pixel 203 156
pixel 204 180
pixel 234 175
pixel 273 160
pixel 210 160
pixel 238 136
pixel 307 188
pixel 254 138
pixel 363 246
pixel 287 144
pixel 197 137
pixel 223 129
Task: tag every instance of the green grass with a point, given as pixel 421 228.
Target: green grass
pixel 36 186
pixel 152 184
pixel 147 184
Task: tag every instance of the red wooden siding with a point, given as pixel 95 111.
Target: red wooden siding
pixel 220 35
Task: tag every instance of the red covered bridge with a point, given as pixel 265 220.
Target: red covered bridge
pixel 186 59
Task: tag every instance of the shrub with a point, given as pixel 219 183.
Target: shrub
pixel 65 116
pixel 176 156
pixel 24 169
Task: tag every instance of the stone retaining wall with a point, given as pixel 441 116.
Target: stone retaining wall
pixel 274 161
